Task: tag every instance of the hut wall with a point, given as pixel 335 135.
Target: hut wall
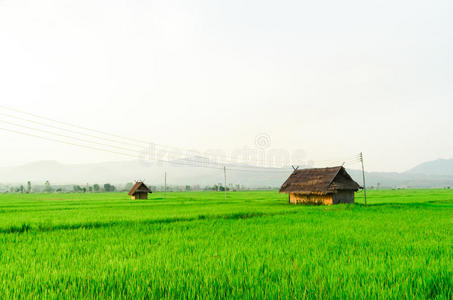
pixel 343 197
pixel 295 198
pixel 142 195
pixel 138 196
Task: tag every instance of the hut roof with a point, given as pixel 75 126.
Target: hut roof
pixel 139 187
pixel 319 181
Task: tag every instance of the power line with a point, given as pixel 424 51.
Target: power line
pixel 64 142
pixel 106 150
pixel 167 148
pixel 83 146
pixel 230 168
pixel 120 139
pixel 92 142
pixel 72 131
pixel 117 139
pixel 65 136
pixel 68 124
pixel 61 128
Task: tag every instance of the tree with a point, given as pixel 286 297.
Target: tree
pixel 28 187
pixel 109 188
pixel 222 188
pixel 21 189
pixel 96 187
pixel 47 187
pixel 77 188
pixel 188 188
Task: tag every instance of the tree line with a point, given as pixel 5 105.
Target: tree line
pixel 47 187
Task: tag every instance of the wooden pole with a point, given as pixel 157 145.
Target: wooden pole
pixel 363 177
pixel 224 177
pixel 165 185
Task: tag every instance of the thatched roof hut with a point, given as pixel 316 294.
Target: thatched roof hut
pixel 320 186
pixel 139 191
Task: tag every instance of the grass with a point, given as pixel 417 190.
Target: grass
pixel 254 245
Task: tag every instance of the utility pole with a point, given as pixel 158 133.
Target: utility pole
pixel 224 177
pixel 165 185
pixel 363 176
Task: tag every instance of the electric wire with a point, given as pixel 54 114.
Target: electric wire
pixel 119 153
pixel 168 149
pixel 182 161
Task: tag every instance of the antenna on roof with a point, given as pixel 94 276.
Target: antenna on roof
pixel 295 168
pixel 343 164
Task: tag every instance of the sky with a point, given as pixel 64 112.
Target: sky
pixel 328 79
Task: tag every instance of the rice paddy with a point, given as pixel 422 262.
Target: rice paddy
pixel 253 245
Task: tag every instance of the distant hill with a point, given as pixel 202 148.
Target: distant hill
pixel 126 171
pixel 437 173
pixel 440 167
pixel 402 180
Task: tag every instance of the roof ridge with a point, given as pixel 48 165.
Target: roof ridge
pixel 335 176
pixel 324 168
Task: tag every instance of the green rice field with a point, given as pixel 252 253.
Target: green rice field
pixel 253 245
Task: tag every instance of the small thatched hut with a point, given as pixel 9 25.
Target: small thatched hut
pixel 139 191
pixel 320 186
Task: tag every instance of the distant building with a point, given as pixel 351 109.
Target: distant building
pixel 320 186
pixel 139 191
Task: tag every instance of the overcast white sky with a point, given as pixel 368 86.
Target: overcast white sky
pixel 330 77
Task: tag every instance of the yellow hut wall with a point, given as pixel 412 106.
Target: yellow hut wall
pixel 310 199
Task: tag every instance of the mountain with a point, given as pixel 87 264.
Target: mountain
pixel 440 167
pixel 437 173
pixel 402 180
pixel 178 173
